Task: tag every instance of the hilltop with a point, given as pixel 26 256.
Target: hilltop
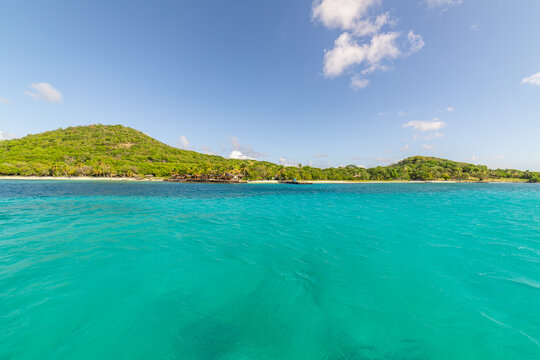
pixel 119 151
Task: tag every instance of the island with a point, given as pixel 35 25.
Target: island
pixel 120 152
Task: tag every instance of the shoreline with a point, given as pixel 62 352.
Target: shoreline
pixel 89 178
pixel 78 178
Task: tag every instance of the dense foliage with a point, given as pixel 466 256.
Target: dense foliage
pixel 118 151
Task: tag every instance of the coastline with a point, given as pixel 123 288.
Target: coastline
pixel 132 179
pixel 78 178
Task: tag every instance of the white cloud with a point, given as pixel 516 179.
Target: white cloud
pixel 450 109
pixel 237 154
pixel 45 91
pixel 207 150
pixel 437 135
pixel 243 152
pixel 347 52
pixel 428 147
pixel 235 143
pixel 358 83
pixel 350 15
pixel 442 3
pixel 362 43
pixel 532 80
pixel 473 158
pixel 4 101
pixel 5 136
pixel 475 27
pixel 416 41
pixel 286 162
pixel 432 125
pixel 405 148
pixel 184 142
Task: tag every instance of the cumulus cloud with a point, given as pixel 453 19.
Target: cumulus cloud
pixel 45 92
pixel 442 3
pixel 532 80
pixel 184 143
pixel 347 52
pixel 242 152
pixel 416 41
pixel 4 101
pixel 358 82
pixel 350 15
pixel 431 125
pixel 362 44
pixel 5 136
pixel 237 154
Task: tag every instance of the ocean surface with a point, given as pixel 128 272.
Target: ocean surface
pixel 124 270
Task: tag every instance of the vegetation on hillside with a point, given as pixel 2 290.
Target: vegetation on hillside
pixel 118 151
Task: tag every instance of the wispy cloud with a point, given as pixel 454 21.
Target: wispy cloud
pixel 428 147
pixel 442 3
pixel 207 150
pixel 6 136
pixel 184 143
pixel 363 45
pixel 358 82
pixel 384 160
pixel 423 126
pixel 4 101
pixel 450 109
pixel 532 80
pixel 287 162
pixel 416 41
pixel 45 92
pixel 436 135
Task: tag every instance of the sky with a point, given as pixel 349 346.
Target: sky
pixel 317 82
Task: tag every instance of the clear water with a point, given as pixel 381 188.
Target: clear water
pixel 97 270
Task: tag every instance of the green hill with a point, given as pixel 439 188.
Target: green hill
pixel 119 151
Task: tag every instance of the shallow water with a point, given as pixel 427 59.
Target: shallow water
pixel 99 270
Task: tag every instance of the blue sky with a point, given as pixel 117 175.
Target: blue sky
pixel 325 82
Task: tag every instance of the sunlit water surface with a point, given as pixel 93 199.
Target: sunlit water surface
pixel 109 270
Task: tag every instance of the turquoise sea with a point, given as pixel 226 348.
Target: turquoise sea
pixel 123 270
